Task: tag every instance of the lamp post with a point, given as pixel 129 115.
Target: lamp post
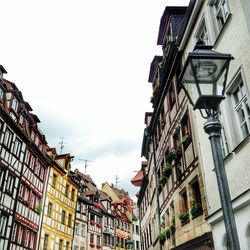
pixel 204 79
pixel 129 243
pixel 149 137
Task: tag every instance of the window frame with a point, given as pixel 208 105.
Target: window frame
pixel 9 188
pixel 3 224
pixel 235 82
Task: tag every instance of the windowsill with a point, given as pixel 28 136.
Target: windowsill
pixel 222 30
pixel 241 144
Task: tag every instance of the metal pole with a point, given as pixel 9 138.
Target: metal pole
pixel 157 191
pixel 212 127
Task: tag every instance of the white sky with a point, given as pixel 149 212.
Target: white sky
pixel 83 67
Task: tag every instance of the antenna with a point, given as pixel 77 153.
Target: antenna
pixel 85 163
pixel 116 181
pixel 61 143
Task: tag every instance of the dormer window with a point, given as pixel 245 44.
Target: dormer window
pixel 14 104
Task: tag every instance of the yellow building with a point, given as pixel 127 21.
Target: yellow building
pixel 60 203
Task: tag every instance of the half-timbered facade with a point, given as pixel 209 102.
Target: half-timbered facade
pixel 108 236
pixel 21 185
pixel 60 204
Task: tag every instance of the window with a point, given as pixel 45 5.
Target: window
pixel 32 240
pixel 202 32
pixel 112 222
pixel 240 102
pixel 27 236
pixel 54 180
pixel 20 235
pixel 27 157
pixel 91 238
pixel 13 236
pixel 49 213
pixel 27 193
pixel 32 200
pixel 83 229
pixel 77 228
pixel 2 173
pixel 46 241
pixel 14 104
pixel 32 162
pixel 3 224
pixel 67 190
pixel 220 9
pixel 10 184
pixel 196 208
pixel 69 220
pixel 37 167
pixel 17 147
pixel 60 245
pixel 42 172
pixel 98 240
pixel 72 194
pixel 171 96
pixel 67 245
pixel 63 217
pixel 7 138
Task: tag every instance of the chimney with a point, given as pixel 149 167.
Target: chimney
pixel 2 71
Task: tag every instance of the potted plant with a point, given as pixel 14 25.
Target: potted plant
pixel 39 208
pixel 167 169
pixel 162 180
pixel 92 245
pixel 171 156
pixel 92 222
pixel 99 225
pixel 159 188
pixel 177 130
pixel 162 237
pixel 184 217
pixel 196 210
pixel 168 233
pixel 186 139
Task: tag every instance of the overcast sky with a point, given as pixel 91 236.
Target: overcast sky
pixel 83 67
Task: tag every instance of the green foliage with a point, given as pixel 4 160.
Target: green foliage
pixel 162 237
pixel 162 180
pixel 39 209
pixel 196 210
pixel 186 139
pixel 168 233
pixel 167 169
pixel 184 217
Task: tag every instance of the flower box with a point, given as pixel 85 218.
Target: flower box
pixel 184 217
pixel 92 245
pixel 92 222
pixel 196 210
pixel 97 205
pixel 100 225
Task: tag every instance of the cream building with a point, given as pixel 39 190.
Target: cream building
pixel 224 24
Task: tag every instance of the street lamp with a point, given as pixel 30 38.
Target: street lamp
pixel 204 79
pixel 129 243
pixel 149 137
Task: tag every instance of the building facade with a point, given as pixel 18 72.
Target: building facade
pixel 23 168
pixel 122 209
pixel 172 202
pixel 225 26
pixel 60 204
